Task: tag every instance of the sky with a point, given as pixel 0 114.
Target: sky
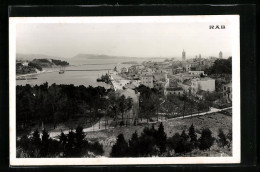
pixel 123 39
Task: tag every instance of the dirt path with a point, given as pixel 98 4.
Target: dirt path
pixel 95 127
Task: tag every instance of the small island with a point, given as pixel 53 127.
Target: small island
pixel 36 65
pixel 104 78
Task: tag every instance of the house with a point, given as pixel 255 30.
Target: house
pixel 147 80
pixel 124 70
pixel 196 72
pixel 178 70
pixel 227 91
pixel 173 91
pixel 147 71
pixel 202 83
pixel 168 70
pixel 185 85
pixel 25 63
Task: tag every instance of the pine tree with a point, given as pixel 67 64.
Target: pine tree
pixel 206 140
pixel 120 149
pixel 161 138
pixel 222 141
pixel 193 137
pixel 79 141
pixel 63 141
pixel 133 145
pixel 45 143
pixel 63 138
pixel 229 136
pixel 69 150
pixel 36 138
pixel 185 144
pixel 36 144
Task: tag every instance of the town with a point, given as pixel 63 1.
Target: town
pixel 174 77
pixel 191 94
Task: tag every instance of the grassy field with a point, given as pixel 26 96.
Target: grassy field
pixel 212 121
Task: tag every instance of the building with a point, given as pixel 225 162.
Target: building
pixel 25 63
pixel 147 80
pixel 146 71
pixel 220 54
pixel 173 91
pixel 202 83
pixel 160 76
pixel 183 55
pixel 168 70
pixel 124 70
pixel 227 91
pixel 196 72
pixel 186 86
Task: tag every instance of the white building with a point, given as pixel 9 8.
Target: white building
pixel 205 84
pixel 196 72
pixel 147 80
pixel 124 70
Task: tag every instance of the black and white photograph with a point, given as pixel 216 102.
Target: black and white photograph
pixel 124 90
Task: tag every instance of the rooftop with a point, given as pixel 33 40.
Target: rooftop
pixel 174 89
pixel 202 79
pixel 146 75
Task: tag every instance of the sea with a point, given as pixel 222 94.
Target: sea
pixel 86 72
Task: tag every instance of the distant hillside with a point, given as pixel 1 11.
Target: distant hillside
pixel 95 56
pixel 36 56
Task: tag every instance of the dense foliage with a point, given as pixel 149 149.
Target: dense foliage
pixel 220 66
pixel 35 65
pixel 70 145
pixel 20 69
pixel 59 62
pixel 149 102
pixel 154 142
pixel 60 103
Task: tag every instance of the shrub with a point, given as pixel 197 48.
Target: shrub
pixel 120 148
pixel 206 140
pixel 222 141
pixel 161 138
pixel 96 148
pixel 193 137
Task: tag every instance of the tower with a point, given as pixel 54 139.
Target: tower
pixel 199 55
pixel 220 54
pixel 183 55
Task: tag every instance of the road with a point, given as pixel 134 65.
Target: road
pixel 95 127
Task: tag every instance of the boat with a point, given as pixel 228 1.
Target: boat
pixel 62 70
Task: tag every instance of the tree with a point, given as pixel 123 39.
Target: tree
pixel 120 149
pixel 161 138
pixel 206 140
pixel 134 145
pixel 45 144
pixel 229 136
pixel 114 104
pixel 185 143
pixel 122 107
pixel 79 141
pixel 35 144
pixel 69 151
pixel 222 141
pixel 193 137
pixel 129 105
pixel 63 141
